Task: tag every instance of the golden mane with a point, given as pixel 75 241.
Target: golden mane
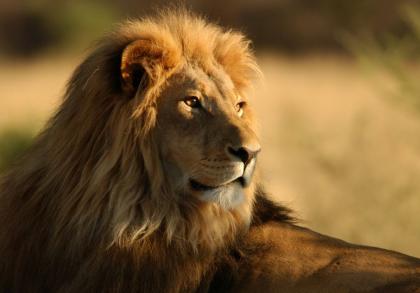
pixel 91 177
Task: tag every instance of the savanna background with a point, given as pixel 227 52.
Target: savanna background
pixel 339 104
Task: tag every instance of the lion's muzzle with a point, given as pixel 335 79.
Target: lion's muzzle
pixel 212 174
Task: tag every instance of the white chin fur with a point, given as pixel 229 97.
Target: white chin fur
pixel 228 197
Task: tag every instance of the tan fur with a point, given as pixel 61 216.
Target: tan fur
pixel 103 200
pixel 294 259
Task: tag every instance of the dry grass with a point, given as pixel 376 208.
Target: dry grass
pixel 347 161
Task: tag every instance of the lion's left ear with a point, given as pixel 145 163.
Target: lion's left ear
pixel 142 63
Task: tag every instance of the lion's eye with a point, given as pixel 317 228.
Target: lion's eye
pixel 240 108
pixel 192 101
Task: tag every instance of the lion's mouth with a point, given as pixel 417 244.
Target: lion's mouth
pixel 202 187
pixel 244 180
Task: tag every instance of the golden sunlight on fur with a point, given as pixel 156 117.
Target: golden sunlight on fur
pixel 145 180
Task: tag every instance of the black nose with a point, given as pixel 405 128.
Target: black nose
pixel 243 153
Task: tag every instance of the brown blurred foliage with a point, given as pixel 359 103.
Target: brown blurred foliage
pixel 31 26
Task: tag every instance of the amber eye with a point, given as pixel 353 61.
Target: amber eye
pixel 240 108
pixel 192 101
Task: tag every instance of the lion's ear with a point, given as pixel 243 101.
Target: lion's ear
pixel 142 62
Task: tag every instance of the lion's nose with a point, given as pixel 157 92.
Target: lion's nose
pixel 245 154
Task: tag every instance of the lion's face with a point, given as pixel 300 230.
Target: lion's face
pixel 187 86
pixel 206 135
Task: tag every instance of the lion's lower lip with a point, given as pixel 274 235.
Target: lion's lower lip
pixel 202 187
pixel 198 186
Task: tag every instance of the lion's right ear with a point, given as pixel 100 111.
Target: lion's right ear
pixel 142 62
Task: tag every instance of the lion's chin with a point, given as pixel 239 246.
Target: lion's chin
pixel 228 196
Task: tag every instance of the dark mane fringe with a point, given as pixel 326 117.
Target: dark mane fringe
pixel 266 210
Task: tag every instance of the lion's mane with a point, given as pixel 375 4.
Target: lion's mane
pixel 92 186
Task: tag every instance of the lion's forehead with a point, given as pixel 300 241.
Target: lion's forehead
pixel 215 83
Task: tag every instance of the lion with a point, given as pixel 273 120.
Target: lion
pixel 145 180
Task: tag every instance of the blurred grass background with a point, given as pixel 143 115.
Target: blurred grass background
pixel 339 107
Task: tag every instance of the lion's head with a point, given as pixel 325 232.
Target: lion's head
pixel 155 136
pixel 205 135
pixel 193 77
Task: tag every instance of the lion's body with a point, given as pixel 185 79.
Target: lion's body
pixel 132 189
